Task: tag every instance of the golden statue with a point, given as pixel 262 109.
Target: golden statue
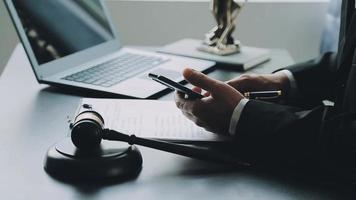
pixel 219 40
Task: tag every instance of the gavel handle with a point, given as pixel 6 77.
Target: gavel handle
pixel 192 152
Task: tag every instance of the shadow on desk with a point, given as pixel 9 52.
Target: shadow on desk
pixel 321 184
pixel 222 176
pixel 87 93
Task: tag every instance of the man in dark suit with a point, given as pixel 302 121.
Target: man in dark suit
pixel 303 132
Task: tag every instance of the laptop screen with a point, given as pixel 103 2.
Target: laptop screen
pixel 57 28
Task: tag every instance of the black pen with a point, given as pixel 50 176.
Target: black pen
pixel 263 95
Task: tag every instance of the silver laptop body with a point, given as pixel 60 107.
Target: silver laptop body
pixel 74 43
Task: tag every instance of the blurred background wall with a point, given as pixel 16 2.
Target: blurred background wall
pixel 8 37
pixel 294 25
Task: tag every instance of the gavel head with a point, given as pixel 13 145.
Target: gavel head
pixel 87 129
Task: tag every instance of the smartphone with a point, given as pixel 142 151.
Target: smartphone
pixel 175 86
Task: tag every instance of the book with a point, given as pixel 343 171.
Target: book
pixel 247 58
pixel 152 119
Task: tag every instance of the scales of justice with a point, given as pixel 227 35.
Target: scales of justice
pixel 219 40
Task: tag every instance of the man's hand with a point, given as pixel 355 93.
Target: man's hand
pixel 257 82
pixel 214 111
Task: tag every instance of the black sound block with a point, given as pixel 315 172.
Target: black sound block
pixel 110 162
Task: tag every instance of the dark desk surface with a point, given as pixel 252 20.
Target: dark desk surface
pixel 34 116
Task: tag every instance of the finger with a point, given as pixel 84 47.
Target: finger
pixel 179 96
pixel 197 89
pixel 189 116
pixel 186 105
pixel 194 108
pixel 206 94
pixel 179 99
pixel 238 84
pixel 201 80
pixel 234 83
pixel 209 129
pixel 195 120
pixel 199 121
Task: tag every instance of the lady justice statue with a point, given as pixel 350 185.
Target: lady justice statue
pixel 219 40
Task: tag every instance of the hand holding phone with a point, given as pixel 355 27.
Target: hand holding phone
pixel 260 95
pixel 175 86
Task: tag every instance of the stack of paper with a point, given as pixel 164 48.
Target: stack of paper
pixel 150 119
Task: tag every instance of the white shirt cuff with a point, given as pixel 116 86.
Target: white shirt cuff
pixel 236 114
pixel 293 84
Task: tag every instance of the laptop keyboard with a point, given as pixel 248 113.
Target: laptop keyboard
pixel 116 70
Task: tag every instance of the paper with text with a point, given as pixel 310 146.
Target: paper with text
pixel 149 119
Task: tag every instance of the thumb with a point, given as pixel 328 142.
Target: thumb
pixel 201 80
pixel 238 84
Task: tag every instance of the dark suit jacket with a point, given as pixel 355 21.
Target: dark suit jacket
pixel 310 134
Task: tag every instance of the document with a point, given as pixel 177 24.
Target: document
pixel 149 119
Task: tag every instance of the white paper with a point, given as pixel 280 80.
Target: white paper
pixel 149 119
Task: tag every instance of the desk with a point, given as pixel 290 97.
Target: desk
pixel 34 116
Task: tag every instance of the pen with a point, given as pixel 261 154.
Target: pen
pixel 262 95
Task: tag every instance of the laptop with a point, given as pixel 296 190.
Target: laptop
pixel 73 43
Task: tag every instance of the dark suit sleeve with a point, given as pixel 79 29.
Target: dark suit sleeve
pixel 316 79
pixel 276 134
pixel 268 131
